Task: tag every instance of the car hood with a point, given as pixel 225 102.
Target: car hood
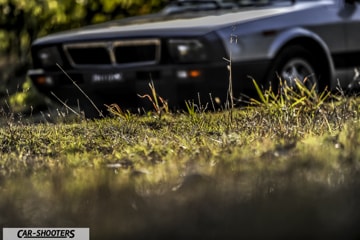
pixel 161 26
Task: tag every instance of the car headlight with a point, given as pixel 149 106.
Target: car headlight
pixel 187 50
pixel 49 57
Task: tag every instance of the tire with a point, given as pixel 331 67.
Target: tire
pixel 295 63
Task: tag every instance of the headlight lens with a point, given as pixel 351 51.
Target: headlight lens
pixel 49 57
pixel 187 50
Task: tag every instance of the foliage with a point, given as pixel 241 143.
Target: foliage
pixel 21 21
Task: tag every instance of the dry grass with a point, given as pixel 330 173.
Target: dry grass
pixel 285 167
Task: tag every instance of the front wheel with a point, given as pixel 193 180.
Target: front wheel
pixel 292 64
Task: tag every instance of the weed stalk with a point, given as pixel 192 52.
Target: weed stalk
pixel 160 105
pixel 79 88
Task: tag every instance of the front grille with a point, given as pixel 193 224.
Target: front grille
pixel 89 56
pixel 114 53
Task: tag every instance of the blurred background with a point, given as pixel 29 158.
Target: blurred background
pixel 22 21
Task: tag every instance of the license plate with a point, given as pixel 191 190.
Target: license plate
pixel 106 77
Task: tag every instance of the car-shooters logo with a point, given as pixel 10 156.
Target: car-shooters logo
pixel 46 233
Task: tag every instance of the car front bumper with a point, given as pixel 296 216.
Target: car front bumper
pixel 175 84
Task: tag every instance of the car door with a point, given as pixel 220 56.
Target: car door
pixel 351 15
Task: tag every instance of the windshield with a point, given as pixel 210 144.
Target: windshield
pixel 179 6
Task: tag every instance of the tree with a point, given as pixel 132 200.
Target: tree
pixel 21 21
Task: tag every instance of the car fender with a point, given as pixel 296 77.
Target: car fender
pixel 291 36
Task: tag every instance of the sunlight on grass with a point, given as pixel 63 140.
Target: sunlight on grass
pixel 167 175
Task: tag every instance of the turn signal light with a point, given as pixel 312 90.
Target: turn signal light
pixel 194 73
pixel 186 74
pixel 41 80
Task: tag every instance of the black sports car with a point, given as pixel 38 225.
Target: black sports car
pixel 187 48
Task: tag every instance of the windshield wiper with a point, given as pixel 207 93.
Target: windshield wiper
pixel 243 3
pixel 181 6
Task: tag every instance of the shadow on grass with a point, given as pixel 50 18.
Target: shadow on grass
pixel 271 206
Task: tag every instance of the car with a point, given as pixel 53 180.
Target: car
pixel 195 50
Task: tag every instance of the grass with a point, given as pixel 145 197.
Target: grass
pixel 285 166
